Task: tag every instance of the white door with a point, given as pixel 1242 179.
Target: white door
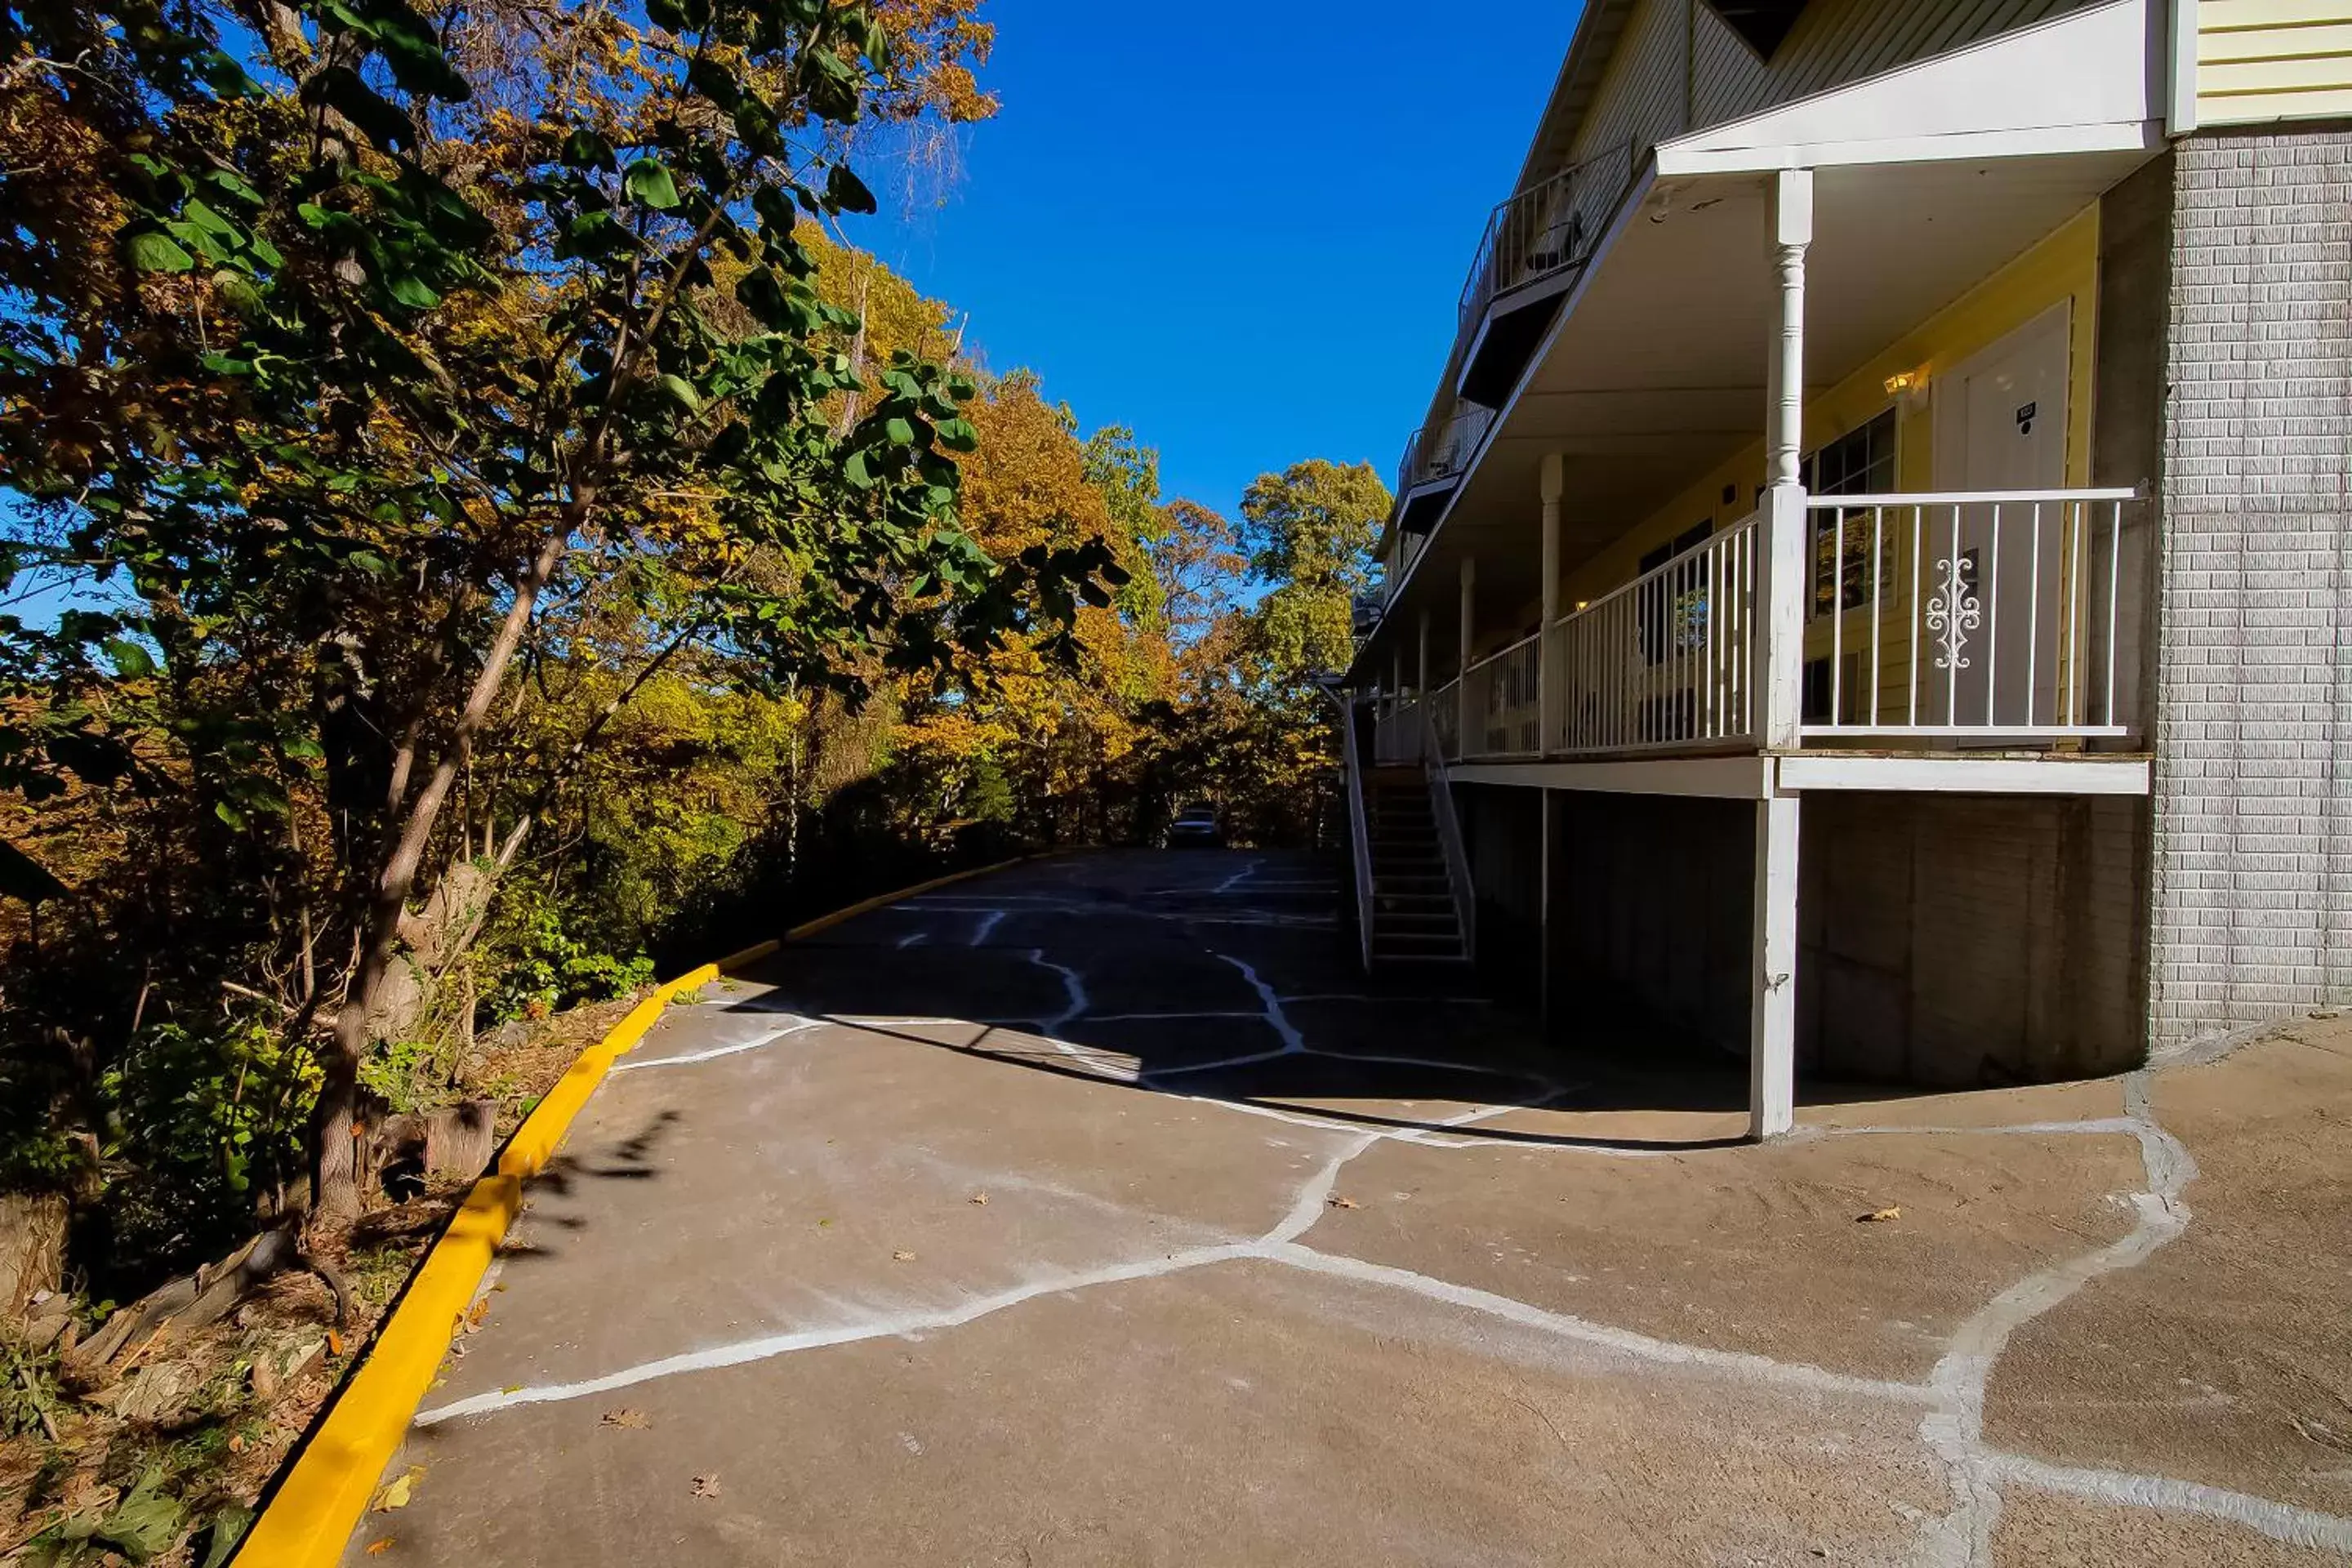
pixel 1992 627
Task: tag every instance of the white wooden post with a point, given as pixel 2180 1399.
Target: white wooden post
pixel 1781 660
pixel 1469 640
pixel 1773 1022
pixel 1780 576
pixel 1548 689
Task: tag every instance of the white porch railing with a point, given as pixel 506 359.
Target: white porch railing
pixel 1360 833
pixel 1444 706
pixel 1506 702
pixel 1666 661
pixel 1396 734
pixel 1974 616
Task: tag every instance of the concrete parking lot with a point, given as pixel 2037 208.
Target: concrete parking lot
pixel 1096 1212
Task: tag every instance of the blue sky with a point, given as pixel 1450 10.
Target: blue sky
pixel 1239 228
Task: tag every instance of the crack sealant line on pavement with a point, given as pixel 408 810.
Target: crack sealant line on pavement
pixel 1953 1430
pixel 690 1058
pixel 2279 1521
pixel 1278 1245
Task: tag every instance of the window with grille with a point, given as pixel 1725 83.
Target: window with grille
pixel 1859 462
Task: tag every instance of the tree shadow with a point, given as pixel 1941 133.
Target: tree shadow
pixel 1151 972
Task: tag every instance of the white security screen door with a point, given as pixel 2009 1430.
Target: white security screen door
pixel 1993 617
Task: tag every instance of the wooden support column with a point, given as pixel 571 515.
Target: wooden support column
pixel 1772 1027
pixel 1421 687
pixel 1468 641
pixel 1550 693
pixel 1780 661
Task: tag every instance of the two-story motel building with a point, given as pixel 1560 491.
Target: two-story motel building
pixel 1874 584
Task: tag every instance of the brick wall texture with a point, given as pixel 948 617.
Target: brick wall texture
pixel 2252 870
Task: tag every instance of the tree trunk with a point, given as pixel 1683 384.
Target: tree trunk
pixel 32 1248
pixel 335 1190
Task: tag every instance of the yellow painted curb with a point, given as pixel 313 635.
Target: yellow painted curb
pixel 309 1521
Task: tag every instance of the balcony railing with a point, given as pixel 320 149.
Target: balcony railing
pixel 1442 447
pixel 1666 661
pixel 1396 736
pixel 1507 699
pixel 1983 618
pixel 1544 229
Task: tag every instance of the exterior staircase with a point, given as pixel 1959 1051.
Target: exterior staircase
pixel 1414 917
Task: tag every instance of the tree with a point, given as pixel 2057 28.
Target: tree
pixel 411 358
pixel 1308 532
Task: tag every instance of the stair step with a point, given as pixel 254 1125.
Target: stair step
pixel 1416 940
pixel 1415 926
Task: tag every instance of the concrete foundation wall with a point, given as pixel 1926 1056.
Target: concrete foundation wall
pixel 1968 939
pixel 2251 899
pixel 1943 940
pixel 1502 830
pixel 1651 899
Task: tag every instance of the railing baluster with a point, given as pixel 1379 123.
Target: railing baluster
pixel 1878 603
pixel 1837 620
pixel 2033 619
pixel 1919 612
pixel 2074 624
pixel 1951 659
pixel 2115 570
pixel 1988 591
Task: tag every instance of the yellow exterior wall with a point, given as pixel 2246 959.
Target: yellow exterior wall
pixel 2259 61
pixel 2063 266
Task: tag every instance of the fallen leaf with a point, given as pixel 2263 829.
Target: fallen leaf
pixel 625 1416
pixel 334 1343
pixel 237 1442
pixel 1339 1203
pixel 511 1388
pixel 474 1313
pixel 980 1198
pixel 903 1257
pixel 706 1485
pixel 378 1548
pixel 397 1494
pixel 1877 1216
pixel 824 1223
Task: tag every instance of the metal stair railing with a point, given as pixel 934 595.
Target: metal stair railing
pixel 1449 839
pixel 1360 837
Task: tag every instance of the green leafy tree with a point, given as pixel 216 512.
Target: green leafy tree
pixel 414 336
pixel 1308 533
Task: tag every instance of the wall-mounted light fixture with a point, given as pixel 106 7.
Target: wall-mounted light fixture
pixel 1910 385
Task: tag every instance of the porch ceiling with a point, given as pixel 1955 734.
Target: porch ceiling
pixel 1653 373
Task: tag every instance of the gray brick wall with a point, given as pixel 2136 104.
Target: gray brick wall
pixel 2252 873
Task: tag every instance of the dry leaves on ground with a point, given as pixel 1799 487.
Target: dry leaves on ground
pixel 635 1420
pixel 1338 1202
pixel 398 1493
pixel 706 1485
pixel 1893 1211
pixel 378 1548
pixel 902 1256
